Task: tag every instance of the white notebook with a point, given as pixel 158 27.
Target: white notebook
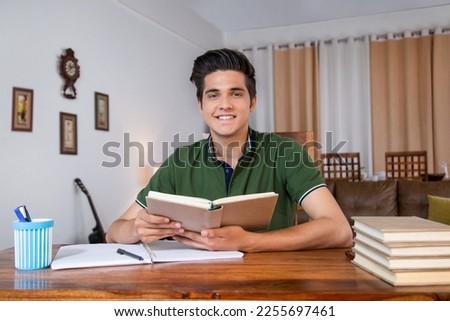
pixel 106 254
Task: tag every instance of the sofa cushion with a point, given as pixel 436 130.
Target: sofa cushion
pixel 367 198
pixel 413 196
pixel 439 209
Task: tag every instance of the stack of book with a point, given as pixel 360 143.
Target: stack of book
pixel 403 250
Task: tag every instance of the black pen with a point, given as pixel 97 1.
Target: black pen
pixel 123 252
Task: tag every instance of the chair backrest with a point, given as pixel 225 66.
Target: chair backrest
pixel 407 165
pixel 302 137
pixel 341 166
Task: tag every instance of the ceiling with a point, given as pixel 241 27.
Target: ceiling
pixel 240 15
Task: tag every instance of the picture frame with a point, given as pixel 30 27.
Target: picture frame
pixel 68 133
pixel 101 111
pixel 22 109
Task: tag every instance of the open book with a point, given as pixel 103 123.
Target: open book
pixel 111 254
pixel 251 211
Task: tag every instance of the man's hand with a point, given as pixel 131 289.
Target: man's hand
pixel 230 238
pixel 151 227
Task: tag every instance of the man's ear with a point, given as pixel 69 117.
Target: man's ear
pixel 200 106
pixel 253 104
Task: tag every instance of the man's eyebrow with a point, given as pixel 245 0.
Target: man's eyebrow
pixel 213 90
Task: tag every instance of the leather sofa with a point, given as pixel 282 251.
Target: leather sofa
pixel 388 198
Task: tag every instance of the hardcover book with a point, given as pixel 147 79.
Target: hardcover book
pixel 402 277
pixel 403 263
pixel 402 229
pixel 401 249
pixel 251 211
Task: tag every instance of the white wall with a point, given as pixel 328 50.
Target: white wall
pixel 141 64
pixel 353 27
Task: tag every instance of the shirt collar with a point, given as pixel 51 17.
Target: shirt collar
pixel 250 144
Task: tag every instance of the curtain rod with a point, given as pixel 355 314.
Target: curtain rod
pixel 257 48
pixel 416 33
pixel 361 38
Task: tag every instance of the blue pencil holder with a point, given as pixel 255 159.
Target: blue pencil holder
pixel 33 244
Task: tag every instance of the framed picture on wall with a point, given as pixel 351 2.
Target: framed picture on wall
pixel 22 109
pixel 101 111
pixel 68 133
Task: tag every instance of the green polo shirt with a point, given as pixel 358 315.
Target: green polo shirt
pixel 271 163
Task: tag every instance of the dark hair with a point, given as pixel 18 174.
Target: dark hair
pixel 222 59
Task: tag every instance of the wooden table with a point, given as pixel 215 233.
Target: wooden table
pixel 303 275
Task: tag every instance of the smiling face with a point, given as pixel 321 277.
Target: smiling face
pixel 226 105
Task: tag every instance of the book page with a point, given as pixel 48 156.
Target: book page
pixel 93 255
pixel 236 198
pixel 181 199
pixel 172 251
pixel 105 254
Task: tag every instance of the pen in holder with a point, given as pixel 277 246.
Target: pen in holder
pixel 33 244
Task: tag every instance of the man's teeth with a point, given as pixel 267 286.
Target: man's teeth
pixel 225 117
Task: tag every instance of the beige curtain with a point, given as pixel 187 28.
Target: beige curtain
pixel 402 97
pixel 296 90
pixel 441 98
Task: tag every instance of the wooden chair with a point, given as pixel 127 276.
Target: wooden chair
pixel 406 165
pixel 341 166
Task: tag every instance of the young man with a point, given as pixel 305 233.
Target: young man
pixel 238 160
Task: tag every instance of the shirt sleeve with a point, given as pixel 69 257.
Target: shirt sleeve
pixel 301 174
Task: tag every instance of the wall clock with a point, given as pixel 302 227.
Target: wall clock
pixel 69 69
